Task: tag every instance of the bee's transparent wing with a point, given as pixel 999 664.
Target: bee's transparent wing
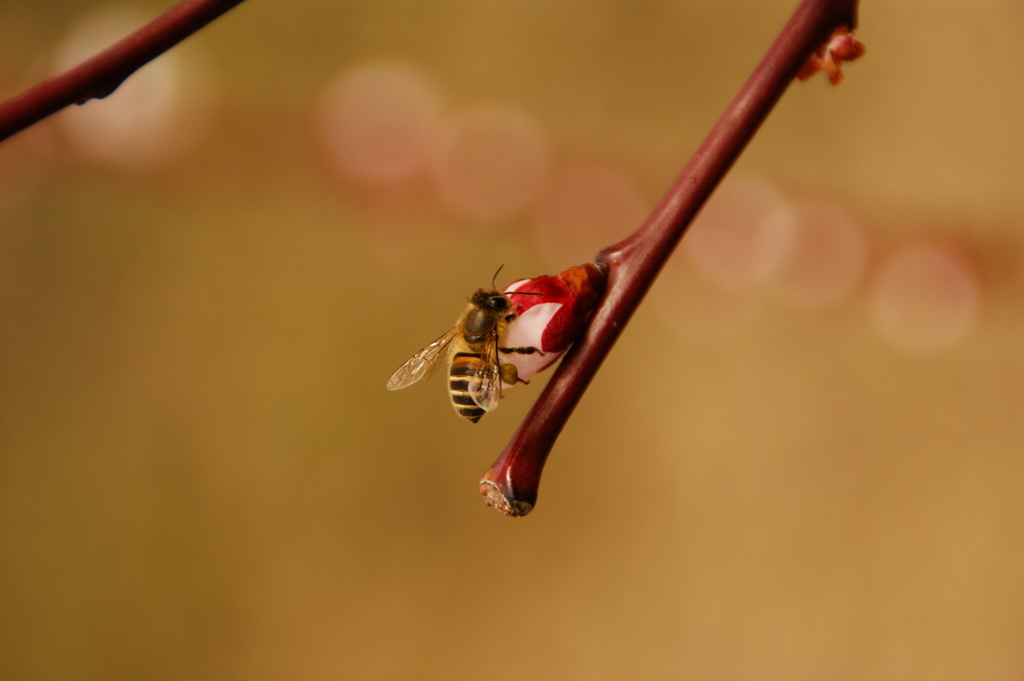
pixel 422 364
pixel 485 385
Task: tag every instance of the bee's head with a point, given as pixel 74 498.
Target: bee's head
pixel 491 299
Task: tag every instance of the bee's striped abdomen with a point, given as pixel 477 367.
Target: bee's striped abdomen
pixel 464 365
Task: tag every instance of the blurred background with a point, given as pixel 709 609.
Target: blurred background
pixel 802 460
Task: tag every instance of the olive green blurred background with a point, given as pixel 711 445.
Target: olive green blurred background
pixel 202 476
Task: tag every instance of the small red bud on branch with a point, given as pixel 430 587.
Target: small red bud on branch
pixel 841 47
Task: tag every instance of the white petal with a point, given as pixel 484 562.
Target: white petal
pixel 527 332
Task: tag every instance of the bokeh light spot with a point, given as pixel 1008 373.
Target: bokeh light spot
pixel 583 209
pixel 375 121
pixel 743 236
pixel 488 162
pixel 827 259
pixel 153 118
pixel 925 298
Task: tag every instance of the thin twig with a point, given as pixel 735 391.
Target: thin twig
pixel 510 485
pixel 102 74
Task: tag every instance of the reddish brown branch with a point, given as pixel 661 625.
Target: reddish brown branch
pixel 102 74
pixel 510 485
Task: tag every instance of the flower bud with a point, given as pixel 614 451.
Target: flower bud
pixel 552 311
pixel 841 47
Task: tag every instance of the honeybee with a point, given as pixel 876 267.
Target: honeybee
pixel 473 348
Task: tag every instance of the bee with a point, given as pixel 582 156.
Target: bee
pixel 473 348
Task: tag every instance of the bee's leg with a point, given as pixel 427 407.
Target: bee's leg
pixel 522 351
pixel 509 372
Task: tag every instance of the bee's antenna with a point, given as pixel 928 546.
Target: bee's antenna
pixel 512 293
pixel 496 275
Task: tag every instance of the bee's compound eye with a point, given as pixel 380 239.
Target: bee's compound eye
pixel 498 303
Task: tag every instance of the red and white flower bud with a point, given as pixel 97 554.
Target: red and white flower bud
pixel 552 316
